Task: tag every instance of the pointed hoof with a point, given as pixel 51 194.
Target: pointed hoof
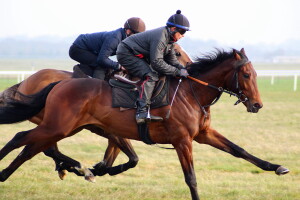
pixel 282 171
pixel 2 177
pixel 62 174
pixel 90 178
pixel 88 175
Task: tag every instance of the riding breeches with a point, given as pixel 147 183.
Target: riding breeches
pixel 86 57
pixel 135 66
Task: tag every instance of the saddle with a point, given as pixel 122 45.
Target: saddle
pixel 126 92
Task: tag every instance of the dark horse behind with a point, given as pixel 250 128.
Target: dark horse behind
pixel 73 104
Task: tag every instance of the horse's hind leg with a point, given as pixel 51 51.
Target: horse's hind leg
pixel 63 163
pixel 27 153
pixel 14 143
pixel 40 143
pixel 19 160
pixel 215 139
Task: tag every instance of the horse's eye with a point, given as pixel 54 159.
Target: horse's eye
pixel 178 54
pixel 246 75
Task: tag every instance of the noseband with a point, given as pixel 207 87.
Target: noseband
pixel 239 94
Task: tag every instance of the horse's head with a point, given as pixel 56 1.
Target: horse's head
pixel 181 55
pixel 244 82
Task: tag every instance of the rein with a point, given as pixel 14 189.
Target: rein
pixel 241 97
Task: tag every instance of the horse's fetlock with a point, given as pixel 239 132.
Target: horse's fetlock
pixel 3 176
pixel 133 163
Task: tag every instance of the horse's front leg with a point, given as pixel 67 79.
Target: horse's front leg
pixel 111 153
pixel 215 139
pixel 116 144
pixel 185 155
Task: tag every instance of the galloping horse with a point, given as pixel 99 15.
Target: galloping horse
pixel 73 104
pixel 41 79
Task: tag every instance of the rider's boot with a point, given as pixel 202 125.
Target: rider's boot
pixel 143 104
pixel 78 73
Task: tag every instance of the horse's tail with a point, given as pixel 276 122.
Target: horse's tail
pixel 8 94
pixel 27 106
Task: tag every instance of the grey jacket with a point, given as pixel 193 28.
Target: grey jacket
pixel 156 47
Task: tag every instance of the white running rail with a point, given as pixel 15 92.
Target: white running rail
pixel 269 73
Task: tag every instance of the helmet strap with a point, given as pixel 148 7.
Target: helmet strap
pixel 172 33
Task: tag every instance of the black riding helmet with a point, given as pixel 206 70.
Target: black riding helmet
pixel 179 21
pixel 135 24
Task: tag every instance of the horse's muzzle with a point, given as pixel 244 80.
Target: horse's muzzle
pixel 254 108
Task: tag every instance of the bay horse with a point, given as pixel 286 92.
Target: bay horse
pixel 44 77
pixel 73 104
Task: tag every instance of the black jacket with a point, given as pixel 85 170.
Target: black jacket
pixel 103 44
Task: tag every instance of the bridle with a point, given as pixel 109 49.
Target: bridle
pixel 239 94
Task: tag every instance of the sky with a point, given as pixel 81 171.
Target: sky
pixel 226 21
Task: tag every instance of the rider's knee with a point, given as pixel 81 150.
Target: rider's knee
pixel 152 76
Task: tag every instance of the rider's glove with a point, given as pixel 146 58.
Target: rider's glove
pixel 182 73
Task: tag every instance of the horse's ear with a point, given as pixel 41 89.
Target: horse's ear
pixel 243 51
pixel 236 55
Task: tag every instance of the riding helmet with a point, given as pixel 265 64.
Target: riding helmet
pixel 178 20
pixel 135 24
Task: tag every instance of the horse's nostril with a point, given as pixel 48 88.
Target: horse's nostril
pixel 257 105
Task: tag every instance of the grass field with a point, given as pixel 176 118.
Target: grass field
pixel 273 134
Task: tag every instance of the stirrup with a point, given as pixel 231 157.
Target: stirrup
pixel 144 118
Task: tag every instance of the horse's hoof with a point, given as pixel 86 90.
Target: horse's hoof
pixel 90 178
pixel 88 175
pixel 3 177
pixel 282 171
pixel 62 174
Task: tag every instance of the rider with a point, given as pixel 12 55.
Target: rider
pixel 94 49
pixel 150 54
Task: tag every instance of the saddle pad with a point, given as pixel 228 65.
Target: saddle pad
pixel 125 98
pixel 125 95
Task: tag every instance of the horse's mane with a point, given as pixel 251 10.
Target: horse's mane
pixel 210 60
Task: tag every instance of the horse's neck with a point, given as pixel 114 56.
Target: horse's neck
pixel 219 75
pixel 216 77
